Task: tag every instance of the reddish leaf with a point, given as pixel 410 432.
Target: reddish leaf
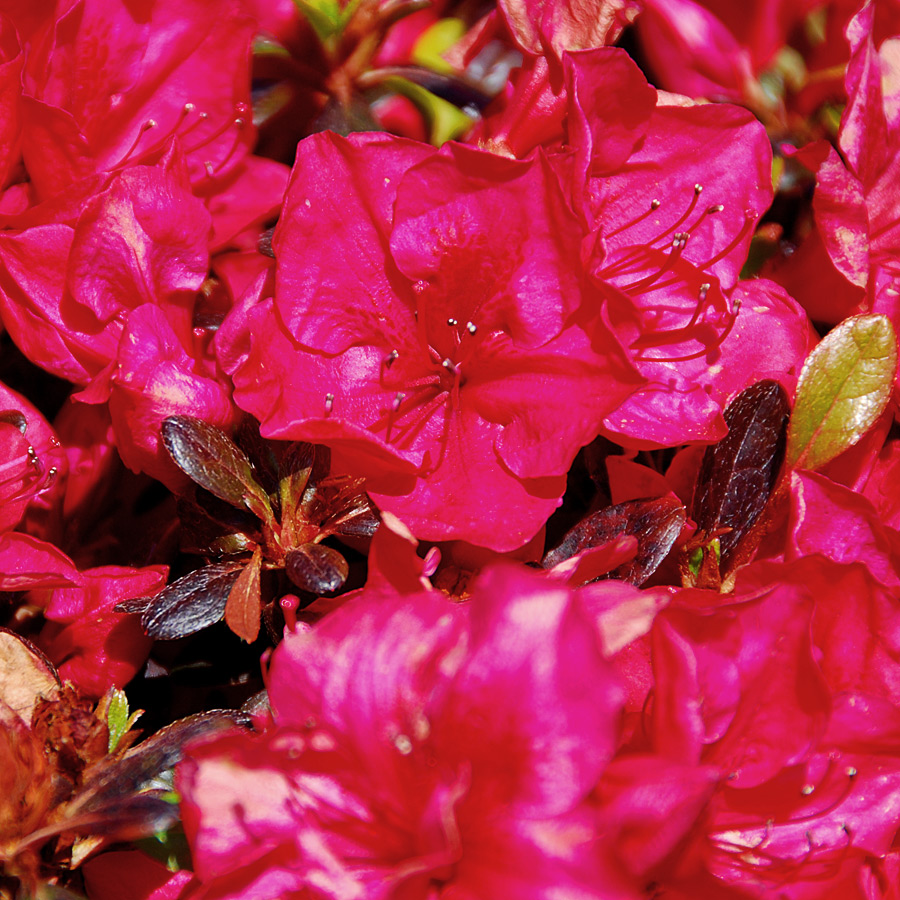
pixel 243 607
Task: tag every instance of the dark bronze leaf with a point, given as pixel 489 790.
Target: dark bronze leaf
pixel 737 475
pixel 119 795
pixel 191 603
pixel 211 527
pixel 134 605
pixel 296 468
pixel 448 87
pixel 259 452
pixel 656 523
pixel 213 461
pixel 316 568
pixel 124 818
pixel 361 521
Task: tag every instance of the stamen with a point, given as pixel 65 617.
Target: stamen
pixel 471 327
pixel 654 205
pixel 419 411
pixel 149 125
pixel 749 218
pixel 391 358
pixel 329 403
pixel 239 125
pixel 679 242
pixel 399 397
pixel 720 339
pixel 450 366
pixel 452 323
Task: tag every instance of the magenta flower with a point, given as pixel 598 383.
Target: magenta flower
pixel 154 376
pixel 673 191
pixel 32 478
pixel 718 48
pixel 789 687
pixel 550 29
pixel 94 647
pixel 419 748
pixel 430 320
pixel 107 85
pixel 11 59
pixel 132 875
pixel 855 203
pixel 73 267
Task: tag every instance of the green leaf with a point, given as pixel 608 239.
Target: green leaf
pixel 844 387
pixel 263 45
pixel 211 459
pixel 445 121
pixel 435 41
pixel 168 847
pixel 118 720
pixel 323 15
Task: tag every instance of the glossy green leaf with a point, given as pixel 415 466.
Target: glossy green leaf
pixel 844 387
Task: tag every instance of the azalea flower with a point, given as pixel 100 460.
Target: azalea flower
pixel 33 469
pixel 419 748
pixel 94 647
pixel 107 86
pixel 433 326
pixel 73 267
pixel 850 265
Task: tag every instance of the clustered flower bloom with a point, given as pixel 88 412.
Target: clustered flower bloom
pixel 473 447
